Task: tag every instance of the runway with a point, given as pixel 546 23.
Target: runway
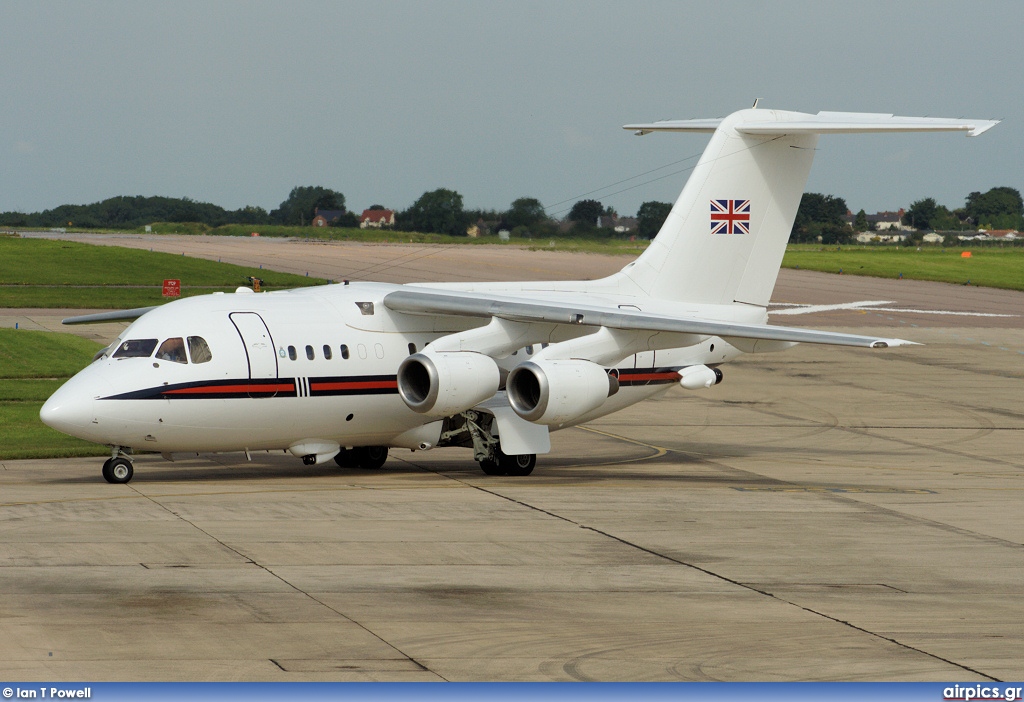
pixel 823 514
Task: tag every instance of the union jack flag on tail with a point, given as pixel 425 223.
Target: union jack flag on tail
pixel 730 216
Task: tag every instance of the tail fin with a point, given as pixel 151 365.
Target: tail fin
pixel 725 237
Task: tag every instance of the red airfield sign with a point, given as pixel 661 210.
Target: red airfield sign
pixel 172 288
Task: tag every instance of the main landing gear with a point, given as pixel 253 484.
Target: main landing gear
pixel 366 457
pixel 117 469
pixel 501 464
pixel 487 447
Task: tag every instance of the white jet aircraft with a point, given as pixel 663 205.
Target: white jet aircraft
pixel 348 371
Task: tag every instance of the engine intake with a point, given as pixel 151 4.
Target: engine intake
pixel 443 384
pixel 556 392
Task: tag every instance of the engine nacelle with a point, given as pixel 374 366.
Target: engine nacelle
pixel 556 392
pixel 697 377
pixel 443 384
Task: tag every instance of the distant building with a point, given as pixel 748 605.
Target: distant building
pixel 377 219
pixel 881 220
pixel 324 218
pixel 1009 235
pixel 879 237
pixel 619 224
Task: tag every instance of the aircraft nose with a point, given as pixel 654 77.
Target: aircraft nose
pixel 70 409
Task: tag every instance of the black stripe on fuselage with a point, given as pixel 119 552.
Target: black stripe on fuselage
pixel 266 387
pixel 332 386
pixel 634 377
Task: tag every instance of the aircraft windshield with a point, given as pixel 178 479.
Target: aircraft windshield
pixel 135 348
pixel 172 350
pixel 199 350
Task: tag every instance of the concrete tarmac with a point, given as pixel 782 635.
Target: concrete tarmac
pixel 823 514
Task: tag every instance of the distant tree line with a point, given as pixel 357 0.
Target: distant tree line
pixel 133 212
pixel 820 218
pixel 999 208
pixel 439 211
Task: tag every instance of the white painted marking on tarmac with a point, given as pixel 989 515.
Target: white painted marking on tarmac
pixel 872 306
pixel 810 309
pixel 959 314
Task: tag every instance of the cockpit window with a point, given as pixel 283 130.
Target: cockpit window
pixel 172 350
pixel 136 348
pixel 199 350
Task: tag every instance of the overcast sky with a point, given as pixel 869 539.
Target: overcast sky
pixel 235 103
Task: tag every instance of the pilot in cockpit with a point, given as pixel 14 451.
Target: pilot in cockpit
pixel 172 350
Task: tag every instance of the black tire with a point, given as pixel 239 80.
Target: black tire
pixel 118 470
pixel 370 457
pixel 522 464
pixel 345 459
pixel 490 467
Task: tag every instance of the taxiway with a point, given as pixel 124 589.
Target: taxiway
pixel 823 514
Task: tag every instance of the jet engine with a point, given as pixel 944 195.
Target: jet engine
pixel 555 392
pixel 443 384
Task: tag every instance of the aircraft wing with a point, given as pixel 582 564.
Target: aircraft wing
pixel 425 301
pixel 114 316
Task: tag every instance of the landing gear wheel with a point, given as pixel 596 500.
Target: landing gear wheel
pixel 490 467
pixel 522 464
pixel 345 459
pixel 118 470
pixel 518 465
pixel 370 457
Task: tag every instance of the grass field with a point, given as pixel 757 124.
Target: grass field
pixel 989 267
pixel 32 366
pixel 44 273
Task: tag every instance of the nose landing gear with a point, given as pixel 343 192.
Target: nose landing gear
pixel 117 469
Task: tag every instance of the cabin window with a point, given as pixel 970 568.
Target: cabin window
pixel 327 352
pixel 172 350
pixel 291 353
pixel 309 352
pixel 199 350
pixel 136 348
pixel 344 351
pixel 529 350
pixel 412 349
pixel 378 350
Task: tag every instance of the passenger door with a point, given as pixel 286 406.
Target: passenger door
pixel 259 346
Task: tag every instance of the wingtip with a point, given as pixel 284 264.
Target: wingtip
pixel 983 127
pixel 888 343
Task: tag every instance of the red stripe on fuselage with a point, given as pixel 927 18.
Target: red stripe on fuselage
pixel 354 385
pixel 670 376
pixel 226 389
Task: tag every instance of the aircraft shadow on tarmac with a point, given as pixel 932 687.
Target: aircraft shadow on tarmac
pixel 699 464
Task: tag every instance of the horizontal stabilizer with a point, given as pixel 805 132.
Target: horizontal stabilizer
pixel 771 122
pixel 676 125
